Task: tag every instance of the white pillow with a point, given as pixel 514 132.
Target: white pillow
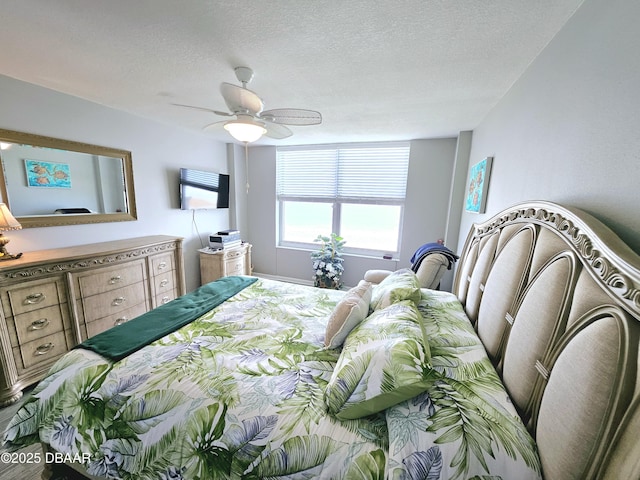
pixel 349 312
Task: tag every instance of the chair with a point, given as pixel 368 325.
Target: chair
pixel 429 262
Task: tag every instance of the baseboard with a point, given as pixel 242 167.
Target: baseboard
pixel 283 279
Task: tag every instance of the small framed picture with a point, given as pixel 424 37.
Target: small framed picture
pixel 478 186
pixel 47 174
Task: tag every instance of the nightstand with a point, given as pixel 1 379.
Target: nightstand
pixel 222 263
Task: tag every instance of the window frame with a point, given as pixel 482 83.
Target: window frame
pixel 336 204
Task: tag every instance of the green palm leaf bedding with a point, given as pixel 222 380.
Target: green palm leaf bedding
pixel 248 391
pixel 238 393
pixel 463 425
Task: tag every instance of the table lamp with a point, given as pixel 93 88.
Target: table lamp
pixel 7 222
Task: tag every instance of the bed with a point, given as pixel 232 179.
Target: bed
pixel 528 370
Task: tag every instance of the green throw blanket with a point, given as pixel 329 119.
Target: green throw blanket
pixel 118 342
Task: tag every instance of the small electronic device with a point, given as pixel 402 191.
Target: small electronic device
pixel 225 239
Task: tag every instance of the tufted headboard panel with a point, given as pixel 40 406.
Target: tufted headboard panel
pixel 555 297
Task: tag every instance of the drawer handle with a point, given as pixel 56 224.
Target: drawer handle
pixel 39 324
pixel 164 283
pixel 115 279
pixel 118 301
pixel 120 321
pixel 44 349
pixel 165 299
pixel 162 265
pixel 35 298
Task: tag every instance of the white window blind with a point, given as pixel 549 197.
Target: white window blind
pixel 307 173
pixel 344 172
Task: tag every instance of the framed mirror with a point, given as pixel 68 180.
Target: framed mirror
pixel 49 182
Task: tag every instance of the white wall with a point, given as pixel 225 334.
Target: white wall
pixel 567 132
pixel 430 170
pixel 237 188
pixel 568 129
pixel 158 151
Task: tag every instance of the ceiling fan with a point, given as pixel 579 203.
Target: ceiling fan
pixel 251 121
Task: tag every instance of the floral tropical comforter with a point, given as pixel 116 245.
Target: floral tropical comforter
pixel 463 425
pixel 239 393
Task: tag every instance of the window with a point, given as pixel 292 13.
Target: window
pixel 356 191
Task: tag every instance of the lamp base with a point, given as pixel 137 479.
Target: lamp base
pixel 4 255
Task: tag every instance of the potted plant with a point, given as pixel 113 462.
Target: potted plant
pixel 327 262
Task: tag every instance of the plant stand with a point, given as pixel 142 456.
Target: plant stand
pixel 323 282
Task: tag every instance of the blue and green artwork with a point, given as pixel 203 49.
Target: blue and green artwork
pixel 47 174
pixel 478 185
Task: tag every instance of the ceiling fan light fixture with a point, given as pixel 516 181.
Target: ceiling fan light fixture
pixel 245 131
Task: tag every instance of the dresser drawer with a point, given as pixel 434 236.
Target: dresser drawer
pixel 112 302
pixel 39 323
pixel 162 263
pixel 33 297
pixel 236 253
pixel 105 323
pixel 235 266
pixel 164 282
pixel 43 350
pixel 165 297
pixel 110 278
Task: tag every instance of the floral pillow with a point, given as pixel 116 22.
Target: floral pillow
pixel 399 285
pixel 384 361
pixel 349 312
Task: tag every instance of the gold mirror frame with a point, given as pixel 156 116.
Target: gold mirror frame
pixel 52 220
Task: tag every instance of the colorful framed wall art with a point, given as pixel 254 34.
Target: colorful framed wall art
pixel 478 186
pixel 47 174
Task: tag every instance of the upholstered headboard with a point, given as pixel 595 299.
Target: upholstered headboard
pixel 555 298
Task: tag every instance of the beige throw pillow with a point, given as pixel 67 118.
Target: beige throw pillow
pixel 349 312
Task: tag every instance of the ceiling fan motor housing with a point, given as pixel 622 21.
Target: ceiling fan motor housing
pixel 244 74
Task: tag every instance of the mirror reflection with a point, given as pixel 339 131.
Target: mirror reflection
pixel 48 181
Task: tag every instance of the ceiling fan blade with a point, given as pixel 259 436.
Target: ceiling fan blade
pixel 215 126
pixel 241 100
pixel 276 131
pixel 205 109
pixel 292 116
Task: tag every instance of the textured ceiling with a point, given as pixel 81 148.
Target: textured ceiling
pixel 376 70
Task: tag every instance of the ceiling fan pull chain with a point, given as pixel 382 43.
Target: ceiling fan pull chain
pixel 246 161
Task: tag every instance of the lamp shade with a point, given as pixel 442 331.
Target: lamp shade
pixel 7 220
pixel 246 131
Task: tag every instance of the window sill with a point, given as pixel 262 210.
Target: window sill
pixel 345 254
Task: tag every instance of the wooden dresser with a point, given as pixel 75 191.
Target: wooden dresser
pixel 222 263
pixel 54 299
